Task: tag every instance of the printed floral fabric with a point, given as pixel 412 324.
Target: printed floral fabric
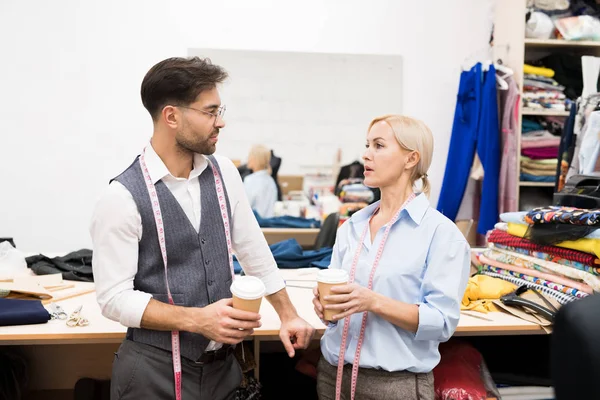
pixel 563 215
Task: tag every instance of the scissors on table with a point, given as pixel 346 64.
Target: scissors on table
pixel 75 319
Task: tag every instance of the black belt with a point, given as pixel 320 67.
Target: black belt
pixel 216 355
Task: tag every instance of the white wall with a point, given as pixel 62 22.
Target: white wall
pixel 71 71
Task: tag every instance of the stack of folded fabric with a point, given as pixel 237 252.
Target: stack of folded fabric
pixel 541 91
pixel 553 249
pixel 539 152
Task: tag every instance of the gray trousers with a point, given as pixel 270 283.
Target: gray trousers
pixel 145 372
pixel 374 384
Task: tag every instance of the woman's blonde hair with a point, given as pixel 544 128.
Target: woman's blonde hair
pixel 261 157
pixel 412 135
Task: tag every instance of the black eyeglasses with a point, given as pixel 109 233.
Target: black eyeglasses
pixel 217 115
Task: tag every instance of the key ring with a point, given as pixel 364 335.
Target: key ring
pixel 57 312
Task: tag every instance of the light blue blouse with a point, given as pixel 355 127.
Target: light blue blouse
pixel 262 193
pixel 425 261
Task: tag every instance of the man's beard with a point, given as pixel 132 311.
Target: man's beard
pixel 202 147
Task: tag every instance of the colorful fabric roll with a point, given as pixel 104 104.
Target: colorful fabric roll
pixel 558 255
pixel 563 215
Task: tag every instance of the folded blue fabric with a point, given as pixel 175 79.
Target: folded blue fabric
pixel 535 178
pixel 22 312
pixel 289 254
pixel 528 125
pixel 287 221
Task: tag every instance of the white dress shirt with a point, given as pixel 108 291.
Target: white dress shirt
pixel 262 192
pixel 116 229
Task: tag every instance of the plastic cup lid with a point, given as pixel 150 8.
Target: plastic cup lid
pixel 332 276
pixel 248 287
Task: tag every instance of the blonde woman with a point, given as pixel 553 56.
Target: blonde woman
pixel 408 267
pixel 260 185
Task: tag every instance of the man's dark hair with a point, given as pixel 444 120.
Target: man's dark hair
pixel 178 81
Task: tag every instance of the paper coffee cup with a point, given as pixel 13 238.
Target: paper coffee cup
pixel 326 279
pixel 247 292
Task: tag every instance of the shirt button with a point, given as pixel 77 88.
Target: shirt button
pixel 207 262
pixel 203 241
pixel 210 283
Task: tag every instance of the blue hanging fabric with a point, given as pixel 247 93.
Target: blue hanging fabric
pixel 475 128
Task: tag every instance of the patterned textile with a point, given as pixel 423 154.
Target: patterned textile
pixel 562 298
pixel 563 215
pixel 556 279
pixel 553 252
pixel 539 281
pixel 549 257
pixel 591 246
pixel 520 260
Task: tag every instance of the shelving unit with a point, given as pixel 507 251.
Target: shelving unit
pixel 536 184
pixel 511 46
pixel 560 43
pixel 545 113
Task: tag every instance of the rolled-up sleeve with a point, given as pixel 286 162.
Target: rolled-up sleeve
pixel 115 230
pixel 444 283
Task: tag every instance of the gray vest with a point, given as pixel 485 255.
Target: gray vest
pixel 198 263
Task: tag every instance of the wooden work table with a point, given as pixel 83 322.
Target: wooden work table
pixel 306 236
pixel 88 351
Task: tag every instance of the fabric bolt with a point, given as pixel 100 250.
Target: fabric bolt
pixel 538 172
pixel 540 166
pixel 475 128
pixel 529 125
pixel 480 292
pixel 22 312
pixel 500 237
pixel 549 284
pixel 533 70
pixel 546 161
pixel 548 257
pixel 537 274
pixel 562 298
pixel 534 178
pixel 521 260
pixel 563 215
pixel 541 152
pixel 533 136
pixel 534 144
pixel 518 217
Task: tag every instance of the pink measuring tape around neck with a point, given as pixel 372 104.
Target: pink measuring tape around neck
pixel 355 364
pixel 160 230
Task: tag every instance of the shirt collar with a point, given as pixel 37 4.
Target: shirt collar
pixel 158 170
pixel 415 209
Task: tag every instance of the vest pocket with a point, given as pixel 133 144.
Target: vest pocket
pixel 178 298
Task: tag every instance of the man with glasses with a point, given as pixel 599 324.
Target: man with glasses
pixel 162 233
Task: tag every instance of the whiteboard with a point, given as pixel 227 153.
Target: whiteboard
pixel 304 105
